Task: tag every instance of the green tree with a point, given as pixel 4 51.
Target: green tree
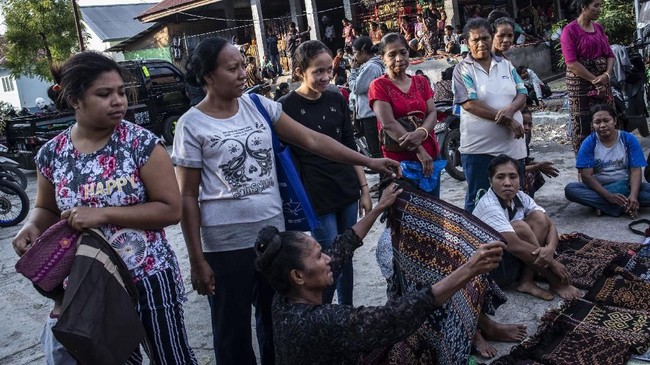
pixel 39 33
pixel 617 17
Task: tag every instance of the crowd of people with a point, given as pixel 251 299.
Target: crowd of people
pixel 221 182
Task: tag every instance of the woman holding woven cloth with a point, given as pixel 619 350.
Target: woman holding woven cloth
pixel 308 331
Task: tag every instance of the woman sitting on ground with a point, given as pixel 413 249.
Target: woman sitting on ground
pixel 306 331
pixel 530 234
pixel 610 163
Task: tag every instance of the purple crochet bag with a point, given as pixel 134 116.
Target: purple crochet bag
pixel 47 263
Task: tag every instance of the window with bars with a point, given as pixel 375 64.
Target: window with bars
pixel 7 84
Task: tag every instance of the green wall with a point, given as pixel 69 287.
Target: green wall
pixel 151 53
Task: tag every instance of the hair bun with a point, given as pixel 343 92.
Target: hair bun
pixel 265 238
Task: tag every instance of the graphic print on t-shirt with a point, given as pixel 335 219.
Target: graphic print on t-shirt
pixel 89 190
pixel 248 167
pixel 131 245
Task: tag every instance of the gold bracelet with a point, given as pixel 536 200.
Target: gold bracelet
pixel 425 131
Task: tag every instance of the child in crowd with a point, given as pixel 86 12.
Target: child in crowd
pixel 537 90
pixel 535 171
pixel 268 70
pixel 340 64
pixel 375 33
pixel 450 40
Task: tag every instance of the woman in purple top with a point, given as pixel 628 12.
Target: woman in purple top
pixel 589 61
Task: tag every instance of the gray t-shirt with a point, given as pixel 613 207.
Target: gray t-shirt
pixel 239 189
pixel 610 162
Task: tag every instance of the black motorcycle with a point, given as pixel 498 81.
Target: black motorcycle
pixel 14 202
pixel 629 88
pixel 447 131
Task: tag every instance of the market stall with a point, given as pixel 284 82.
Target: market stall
pixel 389 11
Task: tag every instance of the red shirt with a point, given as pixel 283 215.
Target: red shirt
pixel 402 103
pixel 345 92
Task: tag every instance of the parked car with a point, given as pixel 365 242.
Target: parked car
pixel 156 93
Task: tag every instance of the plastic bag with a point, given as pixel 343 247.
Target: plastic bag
pixel 412 170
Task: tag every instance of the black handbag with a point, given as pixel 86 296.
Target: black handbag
pixel 98 322
pixel 410 122
pixel 546 90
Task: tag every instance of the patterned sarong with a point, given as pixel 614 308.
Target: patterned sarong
pixel 580 101
pixel 610 323
pixel 430 239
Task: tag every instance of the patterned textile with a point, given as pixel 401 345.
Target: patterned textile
pixel 431 239
pixel 621 289
pixel 580 101
pixel 610 323
pixel 586 257
pixel 581 332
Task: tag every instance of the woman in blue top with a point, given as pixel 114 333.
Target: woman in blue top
pixel 610 163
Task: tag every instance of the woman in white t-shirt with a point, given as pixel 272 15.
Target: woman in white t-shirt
pixel 226 172
pixel 530 234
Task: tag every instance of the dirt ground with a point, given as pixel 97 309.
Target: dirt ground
pixel 23 310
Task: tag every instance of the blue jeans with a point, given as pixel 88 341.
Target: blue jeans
pixel 275 61
pixel 580 193
pixel 478 177
pixel 330 226
pixel 238 285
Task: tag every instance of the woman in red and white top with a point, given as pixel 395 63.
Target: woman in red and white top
pixel 396 94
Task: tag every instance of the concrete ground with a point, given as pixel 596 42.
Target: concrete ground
pixel 23 310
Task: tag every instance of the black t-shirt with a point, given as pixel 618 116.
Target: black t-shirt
pixel 330 185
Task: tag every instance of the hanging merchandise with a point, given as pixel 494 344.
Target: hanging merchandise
pixel 176 48
pixel 387 11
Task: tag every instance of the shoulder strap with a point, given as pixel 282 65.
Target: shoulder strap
pixel 123 270
pixel 256 100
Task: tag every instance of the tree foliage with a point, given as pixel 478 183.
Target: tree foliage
pixel 39 33
pixel 617 17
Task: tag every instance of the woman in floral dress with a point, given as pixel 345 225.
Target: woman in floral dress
pixel 104 172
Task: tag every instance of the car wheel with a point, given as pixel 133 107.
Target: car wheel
pixel 169 128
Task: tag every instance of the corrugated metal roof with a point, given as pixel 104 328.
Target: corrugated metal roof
pixel 164 5
pixel 171 6
pixel 115 22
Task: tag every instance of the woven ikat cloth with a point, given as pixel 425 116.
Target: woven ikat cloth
pixel 610 323
pixel 431 239
pixel 586 258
